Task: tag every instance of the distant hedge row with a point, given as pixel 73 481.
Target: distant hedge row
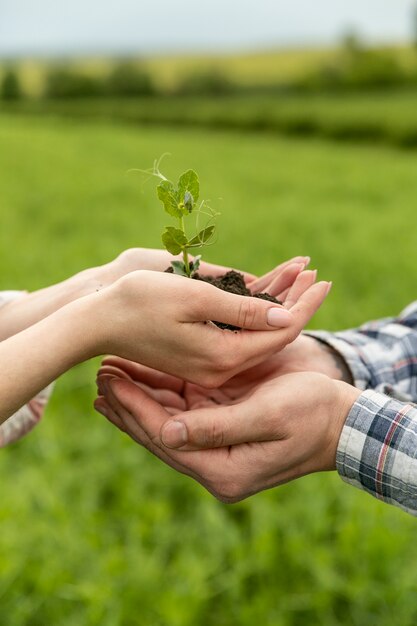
pixel 367 119
pixel 353 68
pixel 127 79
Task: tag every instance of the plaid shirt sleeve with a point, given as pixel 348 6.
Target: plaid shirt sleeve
pixel 381 355
pixel 377 450
pixel 29 415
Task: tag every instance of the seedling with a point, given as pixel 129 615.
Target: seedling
pixel 180 202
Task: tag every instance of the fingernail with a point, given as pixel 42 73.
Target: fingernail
pixel 278 317
pixel 102 410
pixel 174 434
pixel 329 287
pixel 306 261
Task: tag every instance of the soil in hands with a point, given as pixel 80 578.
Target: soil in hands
pixel 233 282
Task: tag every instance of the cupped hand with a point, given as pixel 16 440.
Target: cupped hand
pixel 162 320
pixel 285 428
pixel 305 354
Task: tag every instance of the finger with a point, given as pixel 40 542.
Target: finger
pixel 256 347
pixel 284 279
pixel 262 282
pixel 118 416
pixel 309 302
pixel 101 406
pixel 171 410
pixel 239 311
pixel 109 370
pixel 146 375
pixel 220 427
pixel 283 295
pixel 143 418
pixel 165 397
pixel 210 467
pixel 301 284
pixel 102 382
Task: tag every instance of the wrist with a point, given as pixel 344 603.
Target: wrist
pixel 102 315
pixel 323 358
pixel 42 352
pixel 345 396
pixel 77 329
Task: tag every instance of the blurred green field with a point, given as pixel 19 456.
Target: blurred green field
pixel 96 532
pixel 382 117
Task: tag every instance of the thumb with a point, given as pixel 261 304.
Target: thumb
pixel 244 311
pixel 218 427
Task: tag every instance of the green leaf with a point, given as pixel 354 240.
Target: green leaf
pixel 188 182
pixel 196 263
pixel 202 237
pixel 174 240
pixel 179 268
pixel 168 196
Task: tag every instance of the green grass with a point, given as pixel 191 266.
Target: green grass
pixel 96 532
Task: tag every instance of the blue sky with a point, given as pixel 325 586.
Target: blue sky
pixel 108 26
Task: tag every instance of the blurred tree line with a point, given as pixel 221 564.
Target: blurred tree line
pixel 354 67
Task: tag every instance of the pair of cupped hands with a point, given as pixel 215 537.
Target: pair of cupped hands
pixel 237 411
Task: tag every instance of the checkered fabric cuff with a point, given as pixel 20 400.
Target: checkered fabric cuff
pixel 377 450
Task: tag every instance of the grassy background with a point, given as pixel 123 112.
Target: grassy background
pixel 388 117
pixel 93 530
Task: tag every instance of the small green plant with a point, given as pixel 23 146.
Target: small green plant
pixel 180 202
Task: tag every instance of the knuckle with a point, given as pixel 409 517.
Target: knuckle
pixel 247 313
pixel 128 284
pixel 131 255
pixel 213 436
pixel 200 303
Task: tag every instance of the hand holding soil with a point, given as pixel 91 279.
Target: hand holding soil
pixel 162 321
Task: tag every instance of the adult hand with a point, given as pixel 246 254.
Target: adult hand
pixel 305 354
pixel 176 337
pixel 285 428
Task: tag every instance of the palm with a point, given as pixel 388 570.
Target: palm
pixel 237 388
pixel 177 395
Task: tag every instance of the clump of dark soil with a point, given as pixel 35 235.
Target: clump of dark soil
pixel 233 282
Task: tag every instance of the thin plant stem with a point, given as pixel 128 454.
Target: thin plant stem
pixel 185 251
